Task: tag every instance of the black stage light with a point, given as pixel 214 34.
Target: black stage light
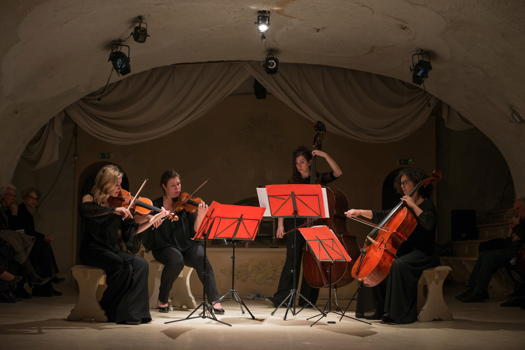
pixel 421 68
pixel 259 90
pixel 271 64
pixel 140 32
pixel 120 61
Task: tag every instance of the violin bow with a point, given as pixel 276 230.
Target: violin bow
pixel 200 186
pixel 131 202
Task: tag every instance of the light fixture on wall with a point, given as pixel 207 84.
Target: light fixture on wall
pixel 420 68
pixel 263 22
pixel 140 32
pixel 515 116
pixel 120 61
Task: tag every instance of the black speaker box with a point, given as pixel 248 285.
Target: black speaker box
pixel 463 224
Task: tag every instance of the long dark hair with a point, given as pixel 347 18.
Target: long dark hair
pixel 300 151
pixel 415 175
pixel 167 176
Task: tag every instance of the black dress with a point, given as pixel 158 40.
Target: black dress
pixel 171 244
pixel 106 243
pixel 396 297
pixel 286 279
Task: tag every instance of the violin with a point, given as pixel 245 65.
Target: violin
pixel 141 205
pixel 186 202
pixel 382 243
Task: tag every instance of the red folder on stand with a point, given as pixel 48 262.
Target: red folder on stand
pixel 324 244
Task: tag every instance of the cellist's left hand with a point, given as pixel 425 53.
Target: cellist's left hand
pixel 409 201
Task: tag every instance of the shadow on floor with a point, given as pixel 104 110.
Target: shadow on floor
pixel 40 327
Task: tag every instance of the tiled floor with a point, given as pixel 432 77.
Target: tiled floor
pixel 40 323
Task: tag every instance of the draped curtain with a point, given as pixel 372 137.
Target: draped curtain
pixel 358 105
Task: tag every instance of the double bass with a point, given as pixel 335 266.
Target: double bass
pixel 382 243
pixel 316 273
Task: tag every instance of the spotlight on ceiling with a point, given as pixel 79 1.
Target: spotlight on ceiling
pixel 140 32
pixel 271 64
pixel 120 61
pixel 420 68
pixel 263 22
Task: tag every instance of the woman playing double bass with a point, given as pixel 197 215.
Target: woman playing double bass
pixel 396 297
pixel 301 172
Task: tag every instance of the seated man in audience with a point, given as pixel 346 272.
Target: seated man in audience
pixel 8 281
pixel 42 256
pixel 492 259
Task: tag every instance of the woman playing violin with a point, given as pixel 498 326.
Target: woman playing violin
pixel 302 161
pixel 171 242
pixel 108 241
pixel 396 296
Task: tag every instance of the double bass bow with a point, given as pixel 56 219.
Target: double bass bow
pixel 381 244
pixel 316 273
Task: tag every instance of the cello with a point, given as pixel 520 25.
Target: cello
pixel 316 273
pixel 382 243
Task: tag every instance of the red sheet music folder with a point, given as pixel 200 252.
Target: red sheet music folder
pixel 227 221
pixel 308 200
pixel 324 244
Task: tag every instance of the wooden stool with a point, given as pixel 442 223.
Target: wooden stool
pixel 433 306
pixel 87 307
pixel 180 294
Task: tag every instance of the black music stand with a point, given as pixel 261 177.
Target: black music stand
pixel 235 223
pixel 207 309
pixel 296 201
pixel 325 246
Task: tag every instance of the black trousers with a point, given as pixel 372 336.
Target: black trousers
pixel 126 296
pixel 396 296
pixel 286 279
pixel 174 261
pixel 489 261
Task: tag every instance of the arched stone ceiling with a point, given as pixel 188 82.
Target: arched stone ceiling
pixel 54 52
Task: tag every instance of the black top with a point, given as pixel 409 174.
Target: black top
pixel 176 234
pixel 322 178
pixel 103 229
pixel 26 222
pixel 423 236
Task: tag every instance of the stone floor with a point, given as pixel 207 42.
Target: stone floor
pixel 40 323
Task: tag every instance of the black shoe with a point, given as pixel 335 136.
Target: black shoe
pixel 133 322
pixel 164 309
pixel 58 279
pixel 386 319
pixel 374 316
pixel 218 311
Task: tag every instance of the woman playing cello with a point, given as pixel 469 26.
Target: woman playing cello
pixel 396 296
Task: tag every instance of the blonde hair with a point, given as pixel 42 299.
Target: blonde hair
pixel 106 178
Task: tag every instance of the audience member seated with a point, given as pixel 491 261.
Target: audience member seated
pixel 495 255
pixel 21 243
pixel 8 281
pixel 42 256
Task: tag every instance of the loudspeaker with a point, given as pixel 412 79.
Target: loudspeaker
pixel 463 224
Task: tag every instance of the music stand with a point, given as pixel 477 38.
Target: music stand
pixel 325 246
pixel 202 234
pixel 235 223
pixel 296 201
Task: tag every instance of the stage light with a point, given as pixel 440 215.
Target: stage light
pixel 120 61
pixel 271 64
pixel 140 32
pixel 259 90
pixel 263 22
pixel 421 68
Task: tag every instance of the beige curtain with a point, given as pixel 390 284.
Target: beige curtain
pixel 43 149
pixel 358 105
pixel 156 103
pixel 361 106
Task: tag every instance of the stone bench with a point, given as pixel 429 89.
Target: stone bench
pixel 92 281
pixel 431 305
